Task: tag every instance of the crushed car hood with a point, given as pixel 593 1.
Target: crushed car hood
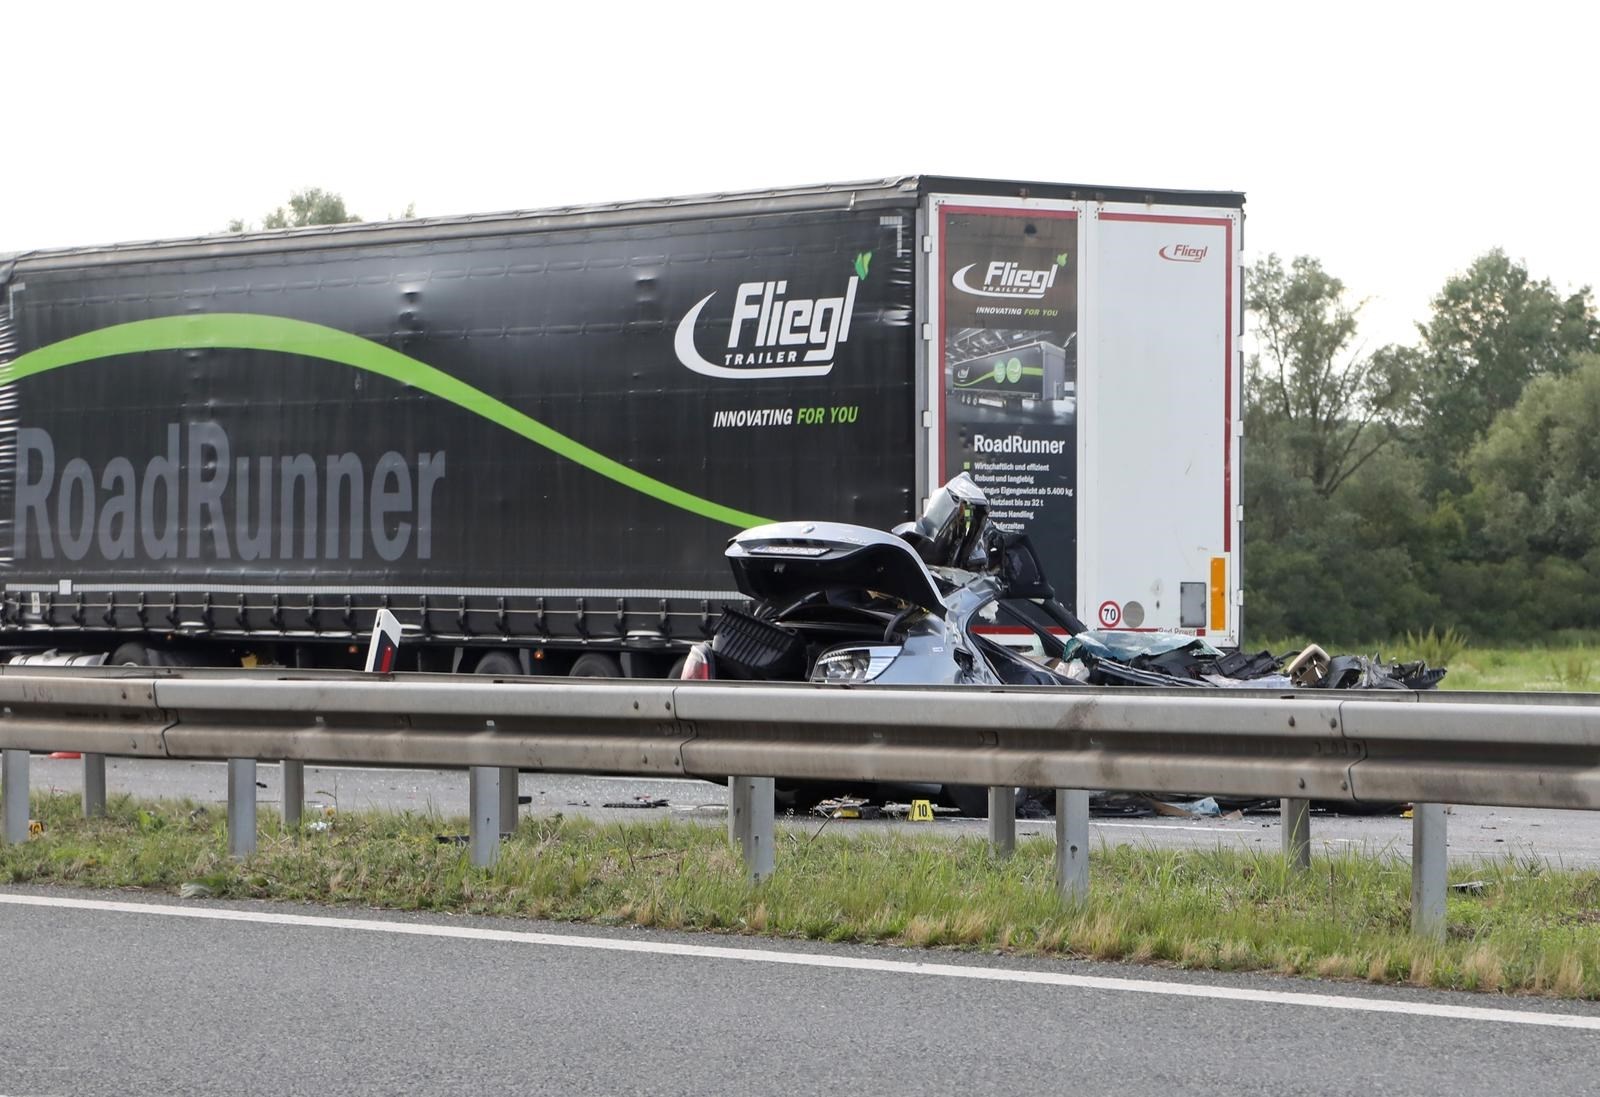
pixel 788 560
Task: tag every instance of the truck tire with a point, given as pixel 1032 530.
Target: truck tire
pixel 501 664
pixel 596 665
pixel 135 654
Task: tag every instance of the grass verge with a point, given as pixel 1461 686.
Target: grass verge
pixel 1529 929
pixel 1563 669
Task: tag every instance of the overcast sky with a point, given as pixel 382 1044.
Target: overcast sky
pixel 1395 141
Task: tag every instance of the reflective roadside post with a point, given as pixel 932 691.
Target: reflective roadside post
pixel 294 792
pixel 1003 820
pixel 751 823
pixel 1429 871
pixel 14 791
pixel 510 777
pixel 1296 818
pixel 483 797
pixel 241 807
pixel 94 785
pixel 1072 844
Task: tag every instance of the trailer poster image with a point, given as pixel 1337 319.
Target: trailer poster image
pixel 1009 356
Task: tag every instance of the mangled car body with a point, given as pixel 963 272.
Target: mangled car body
pixel 950 599
pixel 841 603
pixel 930 602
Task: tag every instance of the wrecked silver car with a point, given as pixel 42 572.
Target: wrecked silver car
pixel 950 599
pixel 841 603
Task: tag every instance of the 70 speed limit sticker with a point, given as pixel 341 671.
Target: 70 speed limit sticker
pixel 1110 614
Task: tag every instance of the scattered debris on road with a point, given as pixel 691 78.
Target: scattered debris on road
pixel 1206 806
pixel 638 802
pixel 905 811
pixel 847 807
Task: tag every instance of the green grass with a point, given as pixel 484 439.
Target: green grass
pixel 1531 929
pixel 1574 669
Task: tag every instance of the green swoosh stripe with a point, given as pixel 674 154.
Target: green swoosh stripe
pixel 1027 371
pixel 246 331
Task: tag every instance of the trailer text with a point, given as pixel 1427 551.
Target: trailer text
pixel 195 500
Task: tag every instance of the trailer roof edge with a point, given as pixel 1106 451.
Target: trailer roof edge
pixel 893 191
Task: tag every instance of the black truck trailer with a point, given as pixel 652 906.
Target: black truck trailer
pixel 530 435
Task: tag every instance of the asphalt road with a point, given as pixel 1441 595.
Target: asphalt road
pixel 1570 838
pixel 162 999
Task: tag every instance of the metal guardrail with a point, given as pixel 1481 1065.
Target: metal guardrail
pixel 1510 750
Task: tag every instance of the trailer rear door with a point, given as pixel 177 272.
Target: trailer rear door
pixel 1159 416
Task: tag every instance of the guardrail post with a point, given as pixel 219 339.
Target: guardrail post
pixel 1296 818
pixel 1003 820
pixel 94 785
pixel 1428 870
pixel 483 795
pixel 241 807
pixel 750 823
pixel 294 792
pixel 1072 844
pixel 14 791
pixel 508 799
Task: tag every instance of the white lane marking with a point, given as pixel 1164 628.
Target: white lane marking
pixel 1184 828
pixel 654 780
pixel 1180 827
pixel 808 959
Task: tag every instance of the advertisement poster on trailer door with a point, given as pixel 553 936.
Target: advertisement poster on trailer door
pixel 1009 313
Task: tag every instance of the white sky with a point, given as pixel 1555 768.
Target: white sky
pixel 1394 141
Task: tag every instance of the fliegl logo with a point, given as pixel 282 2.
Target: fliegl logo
pixel 1004 278
pixel 1183 253
pixel 772 334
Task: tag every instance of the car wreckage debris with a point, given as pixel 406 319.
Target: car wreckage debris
pixel 1099 657
pixel 847 807
pixel 949 598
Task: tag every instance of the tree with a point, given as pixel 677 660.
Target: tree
pixel 1487 518
pixel 1329 407
pixel 1536 474
pixel 1493 329
pixel 311 206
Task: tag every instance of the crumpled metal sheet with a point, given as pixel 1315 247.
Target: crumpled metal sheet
pixel 1169 659
pixel 1124 647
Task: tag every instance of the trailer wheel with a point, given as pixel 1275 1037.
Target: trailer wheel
pixel 135 654
pixel 596 665
pixel 501 664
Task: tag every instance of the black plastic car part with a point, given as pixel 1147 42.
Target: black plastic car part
pixel 748 647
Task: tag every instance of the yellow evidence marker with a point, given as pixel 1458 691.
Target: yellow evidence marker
pixel 921 811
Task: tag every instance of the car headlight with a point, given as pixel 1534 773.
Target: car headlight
pixel 853 664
